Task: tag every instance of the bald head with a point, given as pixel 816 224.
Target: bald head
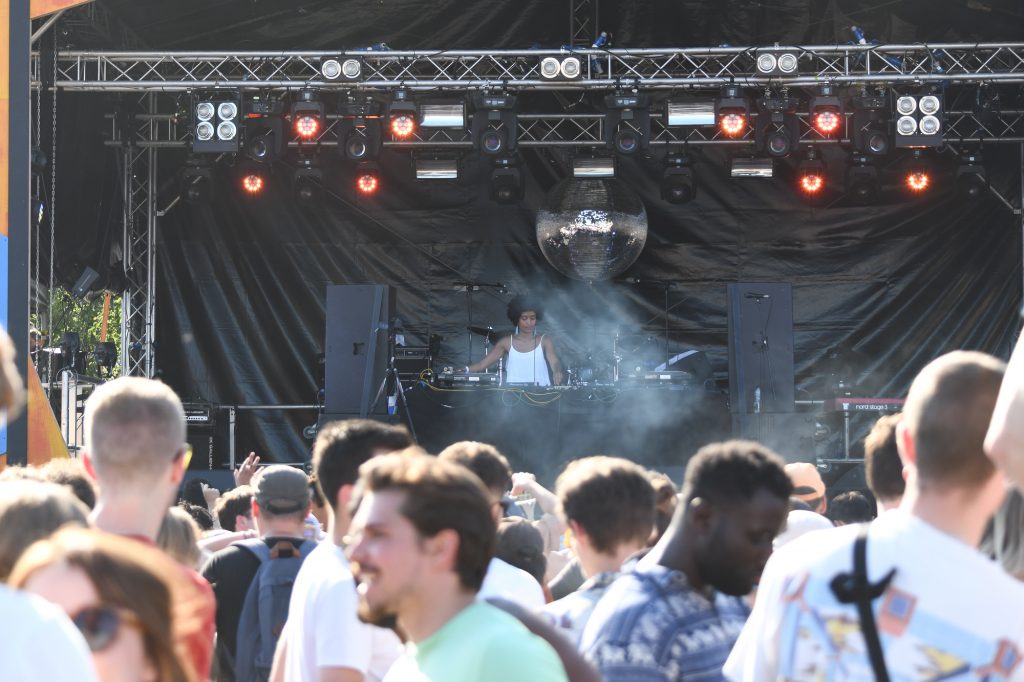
pixel 134 428
pixel 947 414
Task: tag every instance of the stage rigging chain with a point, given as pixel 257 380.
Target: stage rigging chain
pixel 37 130
pixel 53 214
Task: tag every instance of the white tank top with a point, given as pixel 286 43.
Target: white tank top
pixel 527 368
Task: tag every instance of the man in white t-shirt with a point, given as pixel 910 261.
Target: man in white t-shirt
pixel 323 638
pixel 948 611
pixel 503 580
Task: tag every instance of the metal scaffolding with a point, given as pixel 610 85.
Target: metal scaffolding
pixel 649 68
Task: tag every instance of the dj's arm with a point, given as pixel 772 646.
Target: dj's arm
pixel 499 349
pixel 557 375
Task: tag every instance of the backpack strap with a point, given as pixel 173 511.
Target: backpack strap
pixel 855 588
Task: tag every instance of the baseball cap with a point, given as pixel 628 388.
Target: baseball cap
pixel 807 483
pixel 281 489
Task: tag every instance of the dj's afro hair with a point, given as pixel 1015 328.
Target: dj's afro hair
pixel 519 305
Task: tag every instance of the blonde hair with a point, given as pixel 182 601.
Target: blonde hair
pixel 179 536
pixel 32 510
pixel 134 427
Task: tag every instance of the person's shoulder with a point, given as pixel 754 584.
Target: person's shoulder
pixel 511 650
pixel 326 568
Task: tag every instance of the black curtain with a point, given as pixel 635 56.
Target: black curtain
pixel 894 284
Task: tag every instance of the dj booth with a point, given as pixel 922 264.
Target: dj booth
pixel 540 429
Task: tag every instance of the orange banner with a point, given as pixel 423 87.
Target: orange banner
pixel 5 106
pixel 39 8
pixel 44 438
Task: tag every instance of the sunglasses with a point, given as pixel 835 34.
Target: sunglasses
pixel 99 625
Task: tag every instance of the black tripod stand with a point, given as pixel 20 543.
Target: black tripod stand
pixel 392 385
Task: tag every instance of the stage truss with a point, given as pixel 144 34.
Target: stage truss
pixel 154 82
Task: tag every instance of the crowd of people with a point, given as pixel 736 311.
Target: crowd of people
pixel 385 562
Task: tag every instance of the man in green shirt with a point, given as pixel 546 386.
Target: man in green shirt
pixel 421 541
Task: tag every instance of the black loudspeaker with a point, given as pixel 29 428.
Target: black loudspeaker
pixel 208 434
pixel 356 346
pixel 761 376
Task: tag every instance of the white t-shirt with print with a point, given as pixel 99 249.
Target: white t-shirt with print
pixel 949 613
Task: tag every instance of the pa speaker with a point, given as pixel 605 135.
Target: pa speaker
pixel 356 346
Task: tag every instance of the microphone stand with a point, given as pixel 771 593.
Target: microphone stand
pixel 392 385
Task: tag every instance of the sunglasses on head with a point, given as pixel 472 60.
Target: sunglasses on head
pixel 99 625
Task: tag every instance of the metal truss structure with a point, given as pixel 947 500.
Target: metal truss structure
pixel 155 80
pixel 139 178
pixel 513 70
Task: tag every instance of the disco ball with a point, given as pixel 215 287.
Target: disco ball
pixel 592 229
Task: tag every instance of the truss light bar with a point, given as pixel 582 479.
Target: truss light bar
pixel 752 167
pixel 690 113
pixel 443 115
pixel 437 169
pixel 593 167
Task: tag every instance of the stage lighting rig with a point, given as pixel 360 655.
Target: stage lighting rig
pixel 436 169
pixel 494 127
pixel 359 136
pixel 862 179
pixel 871 125
pixel 593 167
pixel 778 128
pixel 442 114
pixel 732 112
pixel 811 174
pixel 307 115
pixel 971 178
pixel 367 178
pixel 627 122
pixel 307 180
pixel 827 113
pixel 686 112
pixel 402 116
pixel 918 174
pixel 918 120
pixel 506 182
pixel 678 184
pixel 215 123
pixel 195 180
pixel 263 130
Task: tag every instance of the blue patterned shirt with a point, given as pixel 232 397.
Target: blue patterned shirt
pixel 651 626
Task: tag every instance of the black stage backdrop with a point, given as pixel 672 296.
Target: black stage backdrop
pixel 241 282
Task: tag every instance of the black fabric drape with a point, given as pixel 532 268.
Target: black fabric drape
pixel 241 282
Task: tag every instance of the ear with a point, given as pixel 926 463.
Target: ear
pixel 254 507
pixel 344 497
pixel 700 514
pixel 443 548
pixel 87 463
pixel 178 469
pixel 905 445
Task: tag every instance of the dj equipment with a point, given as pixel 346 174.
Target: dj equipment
pixel 449 379
pixel 411 361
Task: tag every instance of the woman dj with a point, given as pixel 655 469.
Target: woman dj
pixel 531 359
